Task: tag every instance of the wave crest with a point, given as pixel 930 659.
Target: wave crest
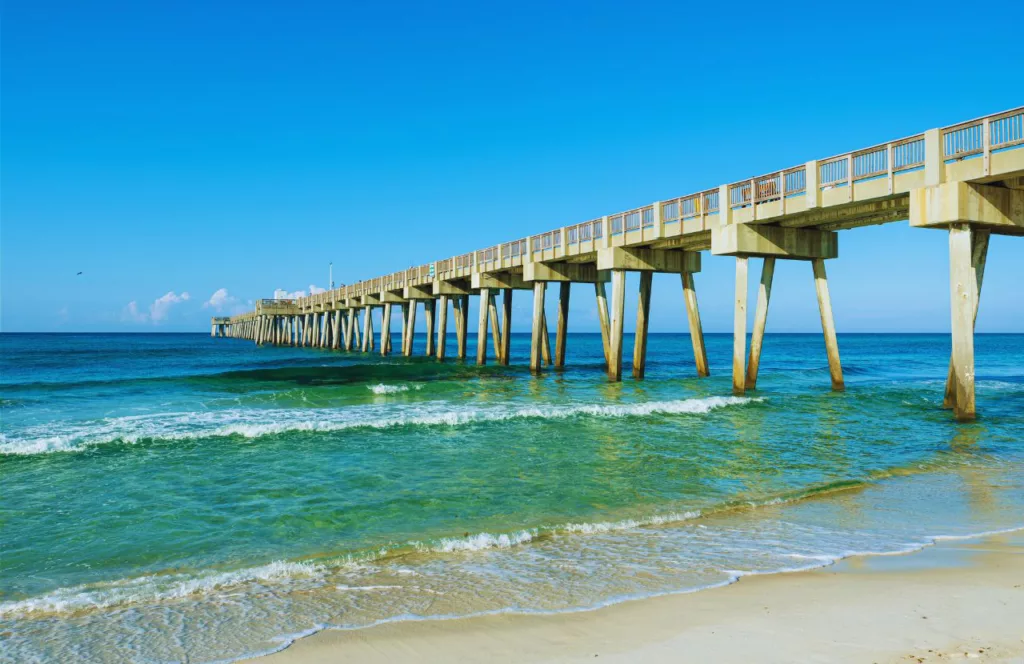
pixel 256 423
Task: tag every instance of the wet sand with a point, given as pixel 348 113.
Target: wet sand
pixel 956 601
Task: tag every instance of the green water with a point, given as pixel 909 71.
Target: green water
pixel 181 498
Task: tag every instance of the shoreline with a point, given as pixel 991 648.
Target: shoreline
pixel 957 599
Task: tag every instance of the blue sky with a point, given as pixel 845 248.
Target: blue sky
pixel 165 148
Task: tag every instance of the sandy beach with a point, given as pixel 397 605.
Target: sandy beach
pixel 956 601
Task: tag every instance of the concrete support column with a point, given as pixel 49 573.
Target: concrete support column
pixel 368 329
pixel 442 326
pixel 964 289
pixel 764 294
pixel 739 329
pixel 979 255
pixel 481 328
pixel 537 329
pixel 492 314
pixel 602 317
pixel 428 317
pixel 545 339
pixel 506 325
pixel 410 328
pixel 643 315
pixel 462 331
pixel 364 346
pixel 700 353
pixel 405 326
pixel 357 341
pixel 338 324
pixel 615 332
pixel 563 322
pixel 828 327
pixel 385 330
pixel 350 324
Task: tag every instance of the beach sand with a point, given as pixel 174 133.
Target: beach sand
pixel 956 601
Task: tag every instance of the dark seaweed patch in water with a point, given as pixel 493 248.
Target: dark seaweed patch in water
pixel 409 370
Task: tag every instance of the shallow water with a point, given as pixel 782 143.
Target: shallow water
pixel 182 498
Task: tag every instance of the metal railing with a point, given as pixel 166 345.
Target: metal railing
pixel 975 137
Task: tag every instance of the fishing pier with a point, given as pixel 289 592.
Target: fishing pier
pixel 966 180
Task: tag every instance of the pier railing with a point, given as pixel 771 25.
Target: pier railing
pixel 830 179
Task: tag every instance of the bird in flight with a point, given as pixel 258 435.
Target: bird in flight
pixel 79 274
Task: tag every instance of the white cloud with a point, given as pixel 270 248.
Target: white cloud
pixel 162 305
pixel 132 314
pixel 221 300
pixel 157 311
pixel 282 294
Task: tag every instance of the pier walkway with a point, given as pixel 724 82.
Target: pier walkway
pixel 966 179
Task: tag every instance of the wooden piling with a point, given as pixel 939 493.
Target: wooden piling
pixel 643 315
pixel 615 332
pixel 979 255
pixel 828 325
pixel 739 329
pixel 506 325
pixel 700 353
pixel 764 294
pixel 562 322
pixel 481 327
pixel 537 328
pixel 428 315
pixel 963 294
pixel 442 326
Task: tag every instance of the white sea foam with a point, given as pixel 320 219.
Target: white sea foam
pixel 254 423
pixel 155 587
pixel 478 542
pixel 628 524
pixel 383 388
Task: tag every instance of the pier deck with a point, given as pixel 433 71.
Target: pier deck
pixel 966 179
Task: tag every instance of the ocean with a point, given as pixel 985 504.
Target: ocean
pixel 173 497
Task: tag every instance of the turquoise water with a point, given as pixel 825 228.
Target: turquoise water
pixel 182 498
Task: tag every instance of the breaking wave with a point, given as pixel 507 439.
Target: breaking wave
pixel 392 389
pixel 254 423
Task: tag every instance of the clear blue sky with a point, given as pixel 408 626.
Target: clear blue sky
pixel 187 147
